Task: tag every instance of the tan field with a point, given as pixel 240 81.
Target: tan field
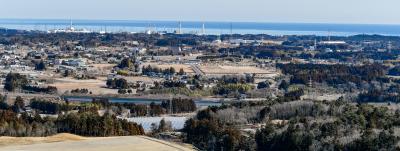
pixel 9 141
pixel 173 58
pixel 143 79
pixel 177 67
pixel 68 142
pixel 101 69
pixel 103 66
pixel 217 69
pixel 97 86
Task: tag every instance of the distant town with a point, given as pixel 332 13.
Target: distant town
pixel 214 92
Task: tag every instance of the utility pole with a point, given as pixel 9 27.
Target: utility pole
pixel 170 105
pixel 315 44
pixel 70 23
pixel 329 35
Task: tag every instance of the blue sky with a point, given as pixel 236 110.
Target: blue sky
pixel 309 11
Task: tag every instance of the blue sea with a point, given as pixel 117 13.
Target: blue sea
pixel 214 28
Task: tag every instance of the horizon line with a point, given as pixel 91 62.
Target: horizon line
pixel 209 21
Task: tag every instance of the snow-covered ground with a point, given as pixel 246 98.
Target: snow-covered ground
pixel 177 122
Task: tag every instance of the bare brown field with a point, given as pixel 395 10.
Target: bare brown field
pixel 9 141
pixel 142 78
pixel 68 142
pixel 103 66
pixel 97 87
pixel 217 69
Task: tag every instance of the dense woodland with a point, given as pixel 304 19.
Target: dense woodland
pixel 308 126
pixel 333 74
pixel 179 105
pixel 151 71
pixel 84 124
pixel 381 96
pixel 346 56
pixel 16 81
pixel 117 83
pixel 15 121
pixel 226 86
pixel 91 124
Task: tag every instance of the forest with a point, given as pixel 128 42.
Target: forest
pixel 174 105
pixel 304 125
pixel 16 81
pixel 150 71
pixel 333 74
pixel 16 121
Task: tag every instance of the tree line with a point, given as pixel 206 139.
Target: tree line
pixel 82 123
pixel 16 81
pixel 295 125
pixel 150 71
pixel 178 105
pixel 332 74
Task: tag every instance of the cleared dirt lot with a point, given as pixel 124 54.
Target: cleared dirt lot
pixel 143 79
pixel 96 86
pixel 68 142
pixel 217 69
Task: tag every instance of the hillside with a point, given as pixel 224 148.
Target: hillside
pixel 69 142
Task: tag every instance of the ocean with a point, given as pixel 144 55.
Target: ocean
pixel 212 28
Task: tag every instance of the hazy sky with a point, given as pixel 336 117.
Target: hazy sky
pixel 317 11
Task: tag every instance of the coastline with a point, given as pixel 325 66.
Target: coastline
pixel 212 27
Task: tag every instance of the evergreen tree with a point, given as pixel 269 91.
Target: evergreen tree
pixel 181 72
pixel 126 63
pixel 40 66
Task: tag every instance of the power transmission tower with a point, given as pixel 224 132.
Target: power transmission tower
pixel 203 29
pixel 180 28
